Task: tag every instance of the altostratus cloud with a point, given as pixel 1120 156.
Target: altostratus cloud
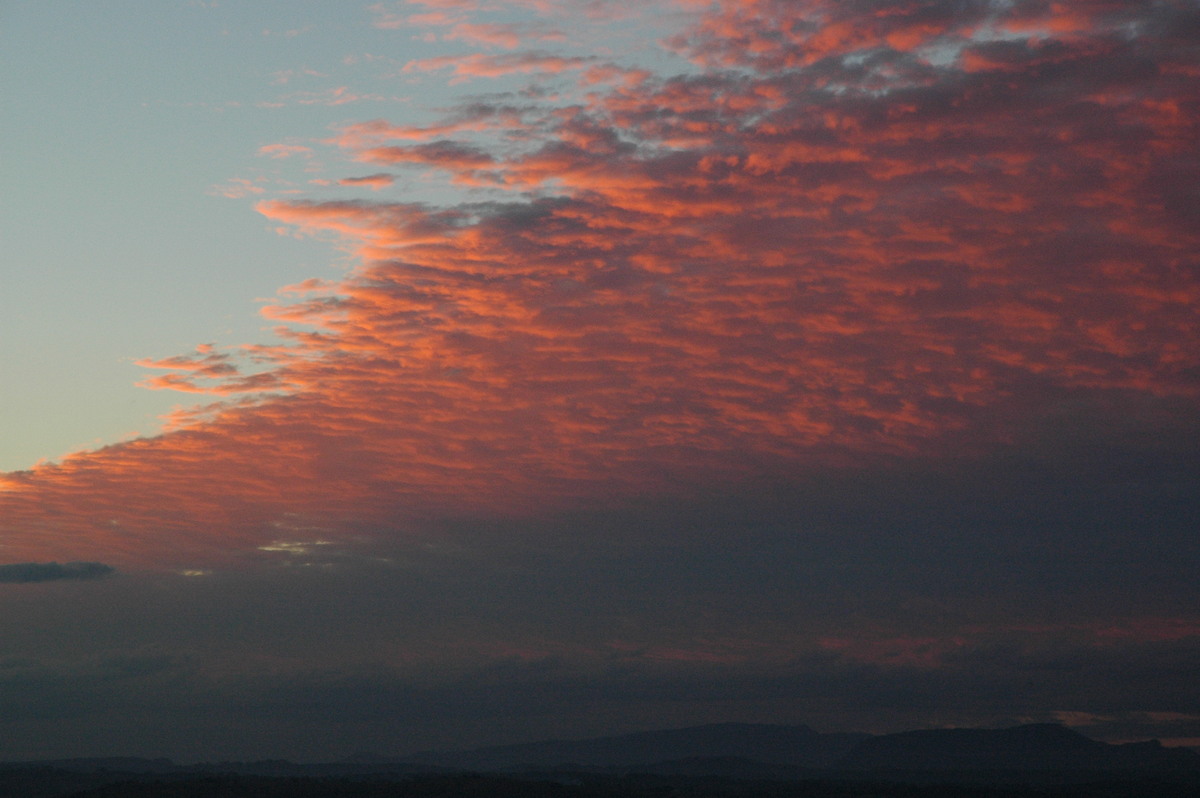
pixel 857 230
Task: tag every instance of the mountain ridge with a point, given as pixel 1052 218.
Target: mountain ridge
pixel 1031 747
pixel 783 749
pixel 793 745
pixel 735 750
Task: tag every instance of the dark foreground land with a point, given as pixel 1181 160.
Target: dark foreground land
pixel 716 761
pixel 48 783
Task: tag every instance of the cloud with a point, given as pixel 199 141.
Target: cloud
pixel 465 161
pixel 197 373
pixel 290 33
pixel 474 117
pixel 284 150
pixel 499 34
pixel 481 65
pixel 238 188
pixel 848 376
pixel 852 234
pixel 25 572
pixel 492 34
pixel 337 95
pixel 473 669
pixel 375 182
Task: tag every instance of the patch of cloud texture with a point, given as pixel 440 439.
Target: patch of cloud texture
pixel 52 571
pixel 848 377
pixel 829 246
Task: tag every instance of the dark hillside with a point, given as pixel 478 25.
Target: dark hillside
pixel 797 746
pixel 1035 747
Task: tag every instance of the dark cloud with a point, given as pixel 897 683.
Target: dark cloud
pixel 52 571
pixel 245 693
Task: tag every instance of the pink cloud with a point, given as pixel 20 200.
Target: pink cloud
pixel 432 19
pixel 205 363
pixel 474 119
pixel 479 65
pixel 187 372
pixel 400 16
pixel 339 95
pixel 501 34
pixel 238 188
pixel 284 150
pixel 375 182
pixel 697 280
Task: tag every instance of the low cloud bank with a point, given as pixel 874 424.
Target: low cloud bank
pixel 21 572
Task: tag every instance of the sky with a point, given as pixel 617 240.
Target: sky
pixel 434 374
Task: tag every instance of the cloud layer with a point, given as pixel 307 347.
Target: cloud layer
pixel 859 230
pixel 854 364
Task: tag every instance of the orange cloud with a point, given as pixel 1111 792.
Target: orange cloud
pixel 840 250
pixel 480 65
pixel 374 182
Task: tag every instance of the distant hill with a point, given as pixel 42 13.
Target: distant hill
pixel 496 786
pixel 744 750
pixel 730 760
pixel 795 746
pixel 1034 747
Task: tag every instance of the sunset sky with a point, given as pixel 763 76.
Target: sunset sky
pixel 383 377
